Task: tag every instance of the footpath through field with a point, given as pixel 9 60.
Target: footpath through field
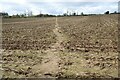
pixel 50 64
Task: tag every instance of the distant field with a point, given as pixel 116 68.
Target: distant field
pixel 64 47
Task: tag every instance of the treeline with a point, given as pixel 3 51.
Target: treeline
pixel 107 12
pixel 25 15
pixel 44 15
pixel 82 14
pixel 28 15
pixel 4 14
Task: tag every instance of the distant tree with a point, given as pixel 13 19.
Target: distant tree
pixel 74 14
pixel 115 12
pixel 4 14
pixel 82 13
pixel 30 14
pixel 69 13
pixel 44 15
pixel 22 15
pixel 65 14
pixel 107 12
pixel 17 15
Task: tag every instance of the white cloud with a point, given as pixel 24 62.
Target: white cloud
pixel 55 6
pixel 73 0
pixel 14 1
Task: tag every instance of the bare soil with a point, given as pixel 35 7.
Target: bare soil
pixel 64 47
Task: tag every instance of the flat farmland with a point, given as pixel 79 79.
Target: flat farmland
pixel 30 33
pixel 60 47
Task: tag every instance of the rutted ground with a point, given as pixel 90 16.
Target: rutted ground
pixel 48 60
pixel 92 48
pixel 58 61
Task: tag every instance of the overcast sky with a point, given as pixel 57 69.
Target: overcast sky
pixel 58 6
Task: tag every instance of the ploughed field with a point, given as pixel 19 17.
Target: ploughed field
pixel 60 47
pixel 27 33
